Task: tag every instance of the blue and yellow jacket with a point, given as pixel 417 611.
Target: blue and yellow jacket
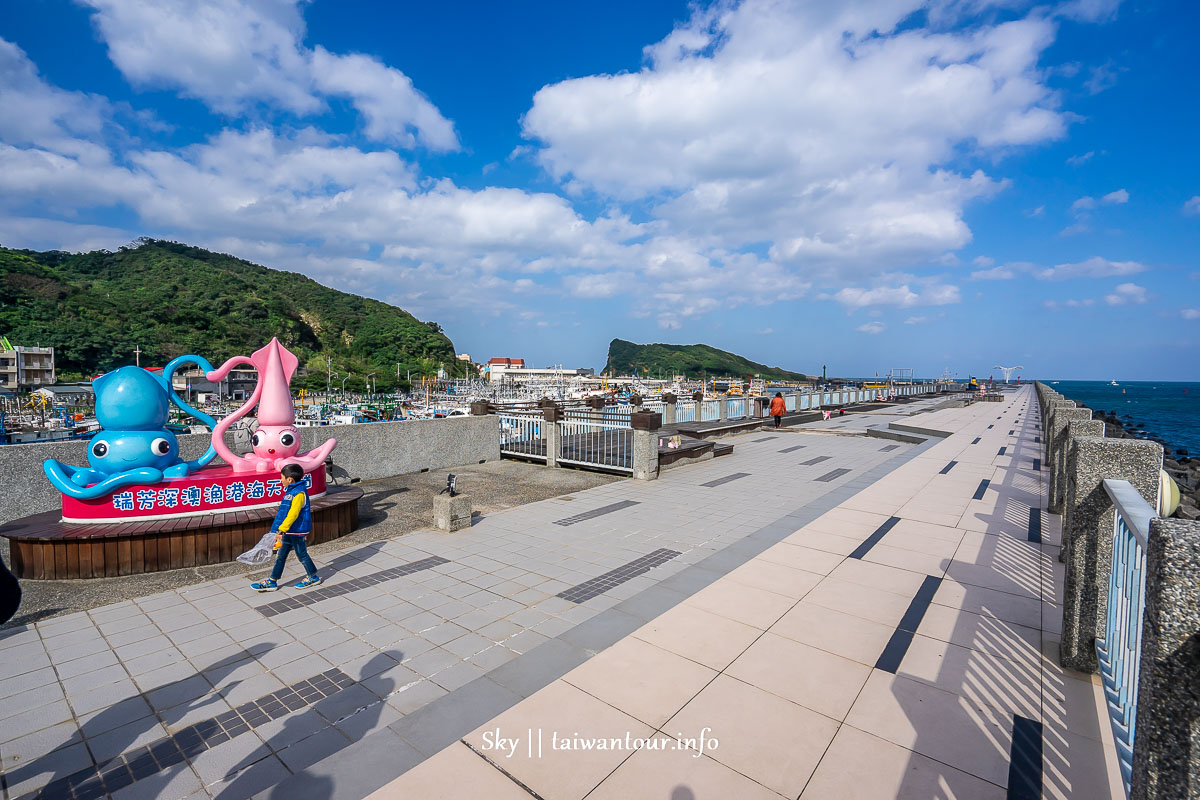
pixel 294 516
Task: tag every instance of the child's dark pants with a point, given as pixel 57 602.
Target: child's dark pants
pixel 291 543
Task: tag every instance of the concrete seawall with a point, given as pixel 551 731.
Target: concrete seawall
pixel 375 450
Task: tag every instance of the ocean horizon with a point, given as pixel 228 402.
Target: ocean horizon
pixel 1168 410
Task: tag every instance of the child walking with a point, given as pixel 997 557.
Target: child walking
pixel 292 522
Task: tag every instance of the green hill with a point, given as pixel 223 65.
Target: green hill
pixel 626 358
pixel 170 299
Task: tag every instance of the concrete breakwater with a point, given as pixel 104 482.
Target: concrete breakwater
pixel 1182 467
pixel 365 451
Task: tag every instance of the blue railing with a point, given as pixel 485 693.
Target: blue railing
pixel 1120 650
pixel 736 408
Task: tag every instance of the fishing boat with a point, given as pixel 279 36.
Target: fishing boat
pixel 1113 383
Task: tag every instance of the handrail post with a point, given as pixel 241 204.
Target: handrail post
pixel 552 415
pixel 645 425
pixel 1056 444
pixel 669 406
pixel 1087 534
pixel 1166 763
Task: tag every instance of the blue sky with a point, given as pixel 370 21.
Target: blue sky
pixel 865 185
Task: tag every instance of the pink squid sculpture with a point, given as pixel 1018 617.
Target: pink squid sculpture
pixel 276 441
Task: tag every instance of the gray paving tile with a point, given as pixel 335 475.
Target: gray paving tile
pixel 56 764
pixel 32 746
pixel 312 749
pixel 355 772
pixel 538 667
pixel 443 721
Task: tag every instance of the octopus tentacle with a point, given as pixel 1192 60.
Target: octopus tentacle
pixel 60 476
pixel 218 437
pixel 168 373
pixel 310 460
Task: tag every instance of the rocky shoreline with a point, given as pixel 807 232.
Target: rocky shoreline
pixel 1177 462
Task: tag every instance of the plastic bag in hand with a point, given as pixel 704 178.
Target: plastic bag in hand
pixel 261 552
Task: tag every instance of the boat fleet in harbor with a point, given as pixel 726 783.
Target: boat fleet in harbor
pixel 38 419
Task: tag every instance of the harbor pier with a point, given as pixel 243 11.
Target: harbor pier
pixel 820 614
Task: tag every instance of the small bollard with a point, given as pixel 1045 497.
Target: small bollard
pixel 451 510
pixel 452 513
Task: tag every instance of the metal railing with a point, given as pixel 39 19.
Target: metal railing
pixel 685 411
pixel 596 443
pixel 736 408
pixel 789 402
pixel 709 410
pixel 521 434
pixel 1120 650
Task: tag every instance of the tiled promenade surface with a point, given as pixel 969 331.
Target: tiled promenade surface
pixel 875 624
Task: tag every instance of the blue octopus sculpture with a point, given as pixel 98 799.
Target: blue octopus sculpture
pixel 134 447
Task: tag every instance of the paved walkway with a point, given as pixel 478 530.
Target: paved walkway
pixel 816 602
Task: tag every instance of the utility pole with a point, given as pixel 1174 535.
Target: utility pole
pixel 328 374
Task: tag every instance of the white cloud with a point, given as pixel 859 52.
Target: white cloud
pixel 765 331
pixel 993 274
pixel 1084 204
pixel 915 320
pixel 1190 313
pixel 872 327
pixel 1036 212
pixel 772 122
pixel 983 261
pixel 1089 10
pixel 1080 160
pixel 1192 206
pixel 1126 293
pixel 234 54
pixel 901 296
pixel 1116 198
pixel 1094 267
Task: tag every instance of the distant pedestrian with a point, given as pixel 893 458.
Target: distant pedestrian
pixel 292 523
pixel 777 408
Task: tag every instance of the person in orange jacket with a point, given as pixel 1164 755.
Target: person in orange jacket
pixel 777 409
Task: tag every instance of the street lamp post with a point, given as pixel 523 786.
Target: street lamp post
pixel 369 376
pixel 348 376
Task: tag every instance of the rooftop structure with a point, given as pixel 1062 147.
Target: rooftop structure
pixel 25 368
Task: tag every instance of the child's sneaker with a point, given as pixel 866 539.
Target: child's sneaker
pixel 266 586
pixel 307 582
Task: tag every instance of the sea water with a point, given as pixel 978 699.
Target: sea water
pixel 1169 411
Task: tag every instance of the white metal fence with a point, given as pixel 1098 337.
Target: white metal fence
pixel 596 443
pixel 521 434
pixel 710 410
pixel 685 411
pixel 736 408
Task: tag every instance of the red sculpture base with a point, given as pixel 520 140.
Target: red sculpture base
pixel 208 491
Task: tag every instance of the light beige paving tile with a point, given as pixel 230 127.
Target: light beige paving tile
pixel 828 542
pixel 989 602
pixel 748 605
pixel 846 635
pixel 911 560
pixel 678 773
pixel 644 681
pixel 764 737
pixel 880 576
pixel 453 774
pixel 867 602
pixel 1075 766
pixel 1010 686
pixel 859 766
pixel 559 711
pixel 919 542
pixel 799 557
pixel 699 635
pixel 787 581
pixel 936 724
pixel 1012 580
pixel 986 634
pixel 814 678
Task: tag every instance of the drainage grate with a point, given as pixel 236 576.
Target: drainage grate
pixel 320 593
pixel 602 583
pixel 874 538
pixel 816 460
pixel 829 476
pixel 948 467
pixel 888 447
pixel 983 485
pixel 763 439
pixel 595 512
pixel 793 448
